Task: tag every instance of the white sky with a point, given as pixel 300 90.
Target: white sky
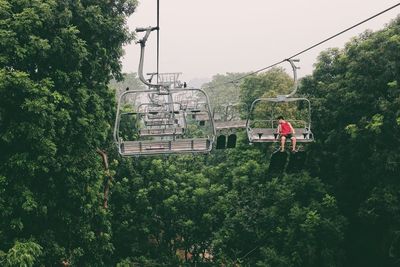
pixel 207 37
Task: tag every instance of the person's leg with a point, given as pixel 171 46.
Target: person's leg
pixel 283 140
pixel 293 143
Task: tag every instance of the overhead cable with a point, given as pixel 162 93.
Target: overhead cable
pixel 305 50
pixel 158 40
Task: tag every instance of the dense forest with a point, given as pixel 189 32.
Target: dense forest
pixel 68 199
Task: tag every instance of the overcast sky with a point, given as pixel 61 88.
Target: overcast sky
pixel 202 38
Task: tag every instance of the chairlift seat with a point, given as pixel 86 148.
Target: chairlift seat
pixel 222 125
pixel 203 116
pixel 303 135
pixel 137 148
pixel 158 116
pixel 129 113
pixel 161 132
pixel 263 135
pixel 158 122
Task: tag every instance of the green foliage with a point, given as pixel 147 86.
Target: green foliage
pixel 224 205
pixel 222 209
pixel 269 84
pixel 21 254
pixel 130 80
pixel 221 92
pixel 217 209
pixel 56 58
pixel 282 222
pixel 356 97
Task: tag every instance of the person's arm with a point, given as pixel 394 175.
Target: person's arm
pixel 278 129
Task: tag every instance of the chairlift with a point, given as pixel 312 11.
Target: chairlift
pixel 191 106
pixel 161 120
pixel 229 122
pixel 159 112
pixel 172 134
pixel 261 124
pixel 150 135
pixel 198 113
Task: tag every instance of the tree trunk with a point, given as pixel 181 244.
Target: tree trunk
pixel 108 179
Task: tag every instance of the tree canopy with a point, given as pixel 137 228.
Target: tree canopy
pixel 356 97
pixel 63 204
pixel 56 59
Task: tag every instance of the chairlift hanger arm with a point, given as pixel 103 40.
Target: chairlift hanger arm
pixel 142 43
pixel 294 68
pixel 151 74
pixel 148 30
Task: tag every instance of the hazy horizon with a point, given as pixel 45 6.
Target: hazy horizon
pixel 202 39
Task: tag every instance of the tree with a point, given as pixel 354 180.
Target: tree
pixel 220 91
pixel 56 59
pixel 129 80
pixel 269 84
pixel 291 221
pixel 356 113
pixel 21 254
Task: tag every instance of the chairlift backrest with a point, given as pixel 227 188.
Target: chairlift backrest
pixel 164 134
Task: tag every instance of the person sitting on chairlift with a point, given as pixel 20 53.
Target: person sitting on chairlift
pixel 285 131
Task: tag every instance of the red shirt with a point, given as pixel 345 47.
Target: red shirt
pixel 285 128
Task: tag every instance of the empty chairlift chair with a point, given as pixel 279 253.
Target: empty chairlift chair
pixel 162 121
pixel 161 130
pixel 144 133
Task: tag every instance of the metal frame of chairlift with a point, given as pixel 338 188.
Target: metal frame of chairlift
pixel 229 123
pixel 229 112
pixel 197 113
pixel 177 146
pixel 269 134
pixel 158 147
pixel 167 130
pixel 227 128
pixel 144 114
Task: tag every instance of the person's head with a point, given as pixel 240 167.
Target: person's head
pixel 280 119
